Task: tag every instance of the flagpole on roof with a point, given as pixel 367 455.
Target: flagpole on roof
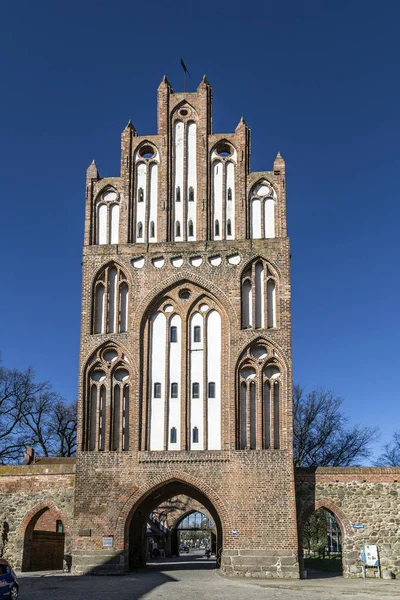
pixel 185 70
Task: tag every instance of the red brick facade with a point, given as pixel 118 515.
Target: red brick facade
pixel 249 492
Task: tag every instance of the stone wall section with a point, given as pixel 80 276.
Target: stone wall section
pixel 27 490
pixel 368 496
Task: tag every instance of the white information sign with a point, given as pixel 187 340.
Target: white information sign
pixel 108 541
pixel 369 555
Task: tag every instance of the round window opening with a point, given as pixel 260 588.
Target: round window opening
pixel 184 294
pixel 183 112
pixel 147 152
pixel 223 150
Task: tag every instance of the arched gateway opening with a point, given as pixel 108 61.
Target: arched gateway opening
pixel 322 533
pixel 44 541
pixel 136 532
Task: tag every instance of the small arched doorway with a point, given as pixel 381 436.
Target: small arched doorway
pixel 44 541
pixel 320 544
pixel 194 530
pixel 136 525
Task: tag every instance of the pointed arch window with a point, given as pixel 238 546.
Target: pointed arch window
pixel 229 228
pixel 191 194
pixel 229 194
pixel 216 230
pixel 258 412
pixel 110 301
pixel 140 195
pixel 259 296
pixel 177 229
pixel 178 194
pixel 190 232
pixel 184 368
pixel 139 230
pixel 107 424
pixel 262 210
pixel 152 229
pixel 107 217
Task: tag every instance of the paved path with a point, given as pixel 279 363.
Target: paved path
pixel 195 578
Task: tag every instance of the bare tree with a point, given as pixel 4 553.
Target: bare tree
pixel 320 433
pixel 17 392
pixel 32 413
pixel 390 456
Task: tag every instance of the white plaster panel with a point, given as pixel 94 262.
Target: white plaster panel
pixel 102 224
pixel 230 204
pixel 256 219
pixel 196 375
pixel 110 196
pixel 217 191
pixel 191 176
pixel 269 218
pixel 178 170
pixel 196 261
pixel 175 367
pixel 114 223
pixel 153 200
pixel 141 171
pixel 158 262
pixel 234 259
pixel 215 260
pixel 157 371
pixel 214 374
pixel 177 261
pixel 138 263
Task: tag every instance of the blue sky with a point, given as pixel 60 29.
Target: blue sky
pixel 317 80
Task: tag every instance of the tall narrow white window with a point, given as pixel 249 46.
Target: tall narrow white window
pixel 196 378
pixel 269 218
pixel 108 217
pixel 179 136
pixel 256 219
pixel 110 305
pixel 191 183
pixel 214 380
pixel 174 376
pixel 157 381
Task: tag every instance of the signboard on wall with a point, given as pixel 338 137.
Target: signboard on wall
pixel 369 555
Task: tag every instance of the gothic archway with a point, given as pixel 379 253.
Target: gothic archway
pixel 136 523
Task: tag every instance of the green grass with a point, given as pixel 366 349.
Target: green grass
pixel 333 564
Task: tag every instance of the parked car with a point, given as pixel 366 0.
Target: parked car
pixel 8 581
pixel 184 548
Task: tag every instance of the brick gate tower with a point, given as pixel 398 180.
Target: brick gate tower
pixel 185 362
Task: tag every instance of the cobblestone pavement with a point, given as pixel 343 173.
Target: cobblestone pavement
pixel 196 579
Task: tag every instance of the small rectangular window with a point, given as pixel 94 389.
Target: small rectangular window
pixel 157 390
pixel 195 390
pixel 173 334
pixel 172 436
pixel 197 334
pixel 195 435
pixel 59 526
pixel 174 390
pixel 211 389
